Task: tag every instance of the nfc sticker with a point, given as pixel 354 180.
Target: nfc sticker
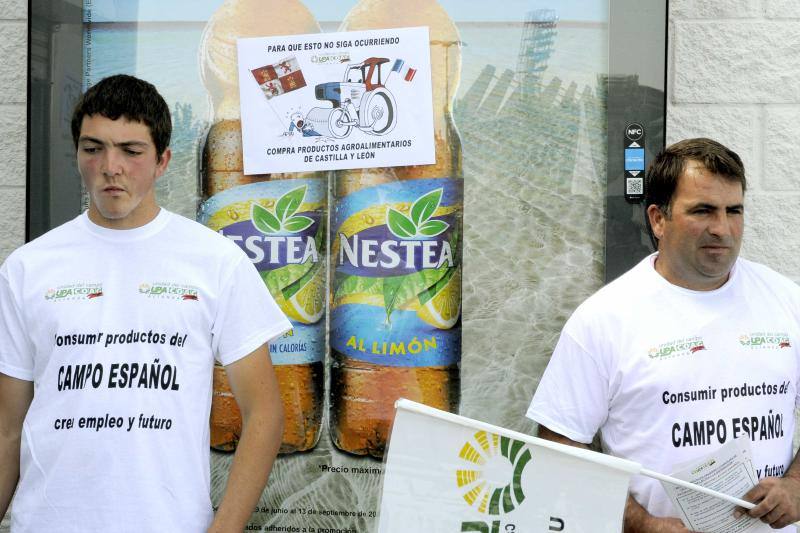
pixel 634 159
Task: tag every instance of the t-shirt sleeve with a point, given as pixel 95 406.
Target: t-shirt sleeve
pixel 247 315
pixel 16 351
pixel 797 382
pixel 573 396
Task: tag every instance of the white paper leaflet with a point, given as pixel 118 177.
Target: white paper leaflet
pixel 728 470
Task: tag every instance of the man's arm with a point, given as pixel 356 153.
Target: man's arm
pixel 255 388
pixel 15 398
pixel 778 498
pixel 637 519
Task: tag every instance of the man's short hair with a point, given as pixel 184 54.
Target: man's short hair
pixel 129 97
pixel 669 164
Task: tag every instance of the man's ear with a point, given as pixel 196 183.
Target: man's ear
pixel 163 162
pixel 657 218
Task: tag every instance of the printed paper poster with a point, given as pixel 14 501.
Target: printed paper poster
pixel 335 101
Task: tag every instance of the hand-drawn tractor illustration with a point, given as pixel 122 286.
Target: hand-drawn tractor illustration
pixel 359 100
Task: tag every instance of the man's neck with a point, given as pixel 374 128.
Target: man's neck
pixel 132 221
pixel 696 282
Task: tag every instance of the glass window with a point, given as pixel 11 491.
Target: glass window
pixel 557 108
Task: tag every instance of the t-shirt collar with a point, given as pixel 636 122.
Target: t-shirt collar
pixel 126 235
pixel 651 262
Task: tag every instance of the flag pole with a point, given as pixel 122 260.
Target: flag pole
pixel 699 488
pixel 280 120
pixel 710 492
pixel 396 66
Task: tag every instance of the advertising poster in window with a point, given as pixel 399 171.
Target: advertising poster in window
pixel 442 276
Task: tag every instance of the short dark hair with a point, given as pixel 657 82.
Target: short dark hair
pixel 129 97
pixel 669 164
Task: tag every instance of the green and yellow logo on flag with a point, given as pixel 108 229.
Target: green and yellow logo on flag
pixel 493 482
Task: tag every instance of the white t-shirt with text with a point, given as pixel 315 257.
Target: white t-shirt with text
pixel 667 374
pixel 119 331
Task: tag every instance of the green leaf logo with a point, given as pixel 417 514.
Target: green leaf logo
pixel 284 218
pixel 288 203
pixel 263 220
pixel 419 225
pixel 433 227
pixel 425 206
pixel 401 225
pixel 298 223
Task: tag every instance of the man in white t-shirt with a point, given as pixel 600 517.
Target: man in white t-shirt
pixel 109 328
pixel 690 349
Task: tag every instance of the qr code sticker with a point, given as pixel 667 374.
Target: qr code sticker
pixel 634 186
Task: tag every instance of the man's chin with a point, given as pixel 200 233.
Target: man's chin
pixel 718 258
pixel 112 208
pixel 717 269
pixel 113 215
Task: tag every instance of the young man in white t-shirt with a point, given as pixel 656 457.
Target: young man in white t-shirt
pixel 109 328
pixel 691 348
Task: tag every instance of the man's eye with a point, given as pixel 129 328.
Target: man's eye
pixel 90 149
pixel 132 152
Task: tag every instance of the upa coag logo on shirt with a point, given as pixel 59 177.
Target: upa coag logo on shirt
pixel 169 290
pixel 767 340
pixel 677 348
pixel 74 291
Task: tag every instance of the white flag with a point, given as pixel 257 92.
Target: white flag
pixel 447 473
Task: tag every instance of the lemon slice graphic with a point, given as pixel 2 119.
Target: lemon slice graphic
pixel 440 306
pixel 304 300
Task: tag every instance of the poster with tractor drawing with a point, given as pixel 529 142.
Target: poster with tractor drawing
pixel 336 101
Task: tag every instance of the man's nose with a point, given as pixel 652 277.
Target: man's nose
pixel 721 225
pixel 112 163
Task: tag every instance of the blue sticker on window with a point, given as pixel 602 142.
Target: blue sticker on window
pixel 634 159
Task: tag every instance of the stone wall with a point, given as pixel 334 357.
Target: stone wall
pixel 733 76
pixel 13 90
